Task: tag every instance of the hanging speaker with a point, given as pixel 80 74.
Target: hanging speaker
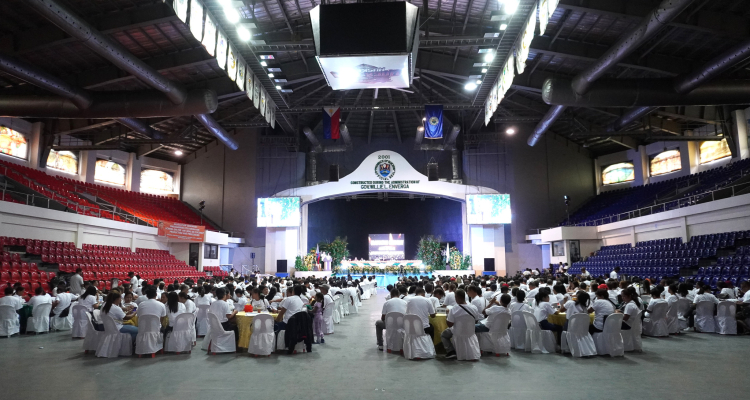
pixel 432 171
pixel 333 173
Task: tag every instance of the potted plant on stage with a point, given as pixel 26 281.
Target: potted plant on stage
pixel 299 264
pixel 429 251
pixel 338 251
pixel 466 263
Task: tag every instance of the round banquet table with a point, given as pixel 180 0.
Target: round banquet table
pixel 559 319
pixel 245 327
pixel 439 324
pixel 134 321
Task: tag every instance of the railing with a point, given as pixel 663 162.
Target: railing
pixel 234 234
pixel 666 206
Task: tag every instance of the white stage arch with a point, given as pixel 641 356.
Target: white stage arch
pixel 386 171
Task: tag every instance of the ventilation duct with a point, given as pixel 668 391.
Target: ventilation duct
pixel 653 23
pixel 141 104
pixel 450 144
pixel 312 166
pixel 455 165
pixel 317 147
pixel 215 129
pixel 141 127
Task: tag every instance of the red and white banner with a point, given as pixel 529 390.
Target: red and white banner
pixel 183 232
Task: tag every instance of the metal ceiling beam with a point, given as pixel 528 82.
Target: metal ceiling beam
pixel 395 118
pixel 384 107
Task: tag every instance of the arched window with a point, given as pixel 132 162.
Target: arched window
pixel 13 143
pixel 65 161
pixel 714 150
pixel 109 172
pixel 666 162
pixel 155 181
pixel 616 173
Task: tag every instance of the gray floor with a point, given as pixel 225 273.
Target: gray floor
pixel 349 366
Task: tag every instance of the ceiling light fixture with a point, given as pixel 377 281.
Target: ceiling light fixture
pixel 271 75
pixel 233 16
pixel 178 152
pixel 278 87
pixel 470 86
pixel 479 81
pixel 244 34
pixel 421 128
pixel 489 57
pixel 510 6
pixel 510 131
pixel 263 63
pixel 484 70
pixel 503 27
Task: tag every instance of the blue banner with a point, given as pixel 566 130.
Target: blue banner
pixel 433 127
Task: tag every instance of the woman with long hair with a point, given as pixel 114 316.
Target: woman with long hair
pixel 174 307
pixel 578 306
pixel 631 307
pixel 88 298
pixel 112 308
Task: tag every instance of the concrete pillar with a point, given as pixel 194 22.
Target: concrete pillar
pixel 34 142
pixel 643 161
pixel 201 249
pixel 598 176
pixel 740 133
pixel 87 166
pixel 79 236
pixel 133 175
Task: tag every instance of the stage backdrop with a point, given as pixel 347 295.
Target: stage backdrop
pixel 356 219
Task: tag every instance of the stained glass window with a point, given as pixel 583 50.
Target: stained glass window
pixel 714 150
pixel 666 162
pixel 13 143
pixel 616 173
pixel 156 181
pixel 109 172
pixel 65 161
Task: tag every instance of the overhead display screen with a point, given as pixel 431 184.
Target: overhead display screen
pixel 486 209
pixel 274 212
pixel 366 72
pixel 386 246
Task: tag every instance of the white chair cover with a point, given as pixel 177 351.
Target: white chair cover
pixel 726 324
pixel 365 290
pixel 537 340
pixel 497 340
pixel 346 302
pixel 181 338
pixel 261 341
pixel 39 320
pixel 149 339
pixel 656 323
pixel 631 338
pixel 113 343
pixel 465 340
pixel 610 340
pixel 704 317
pixel 201 320
pixel 219 340
pixel 337 309
pixel 683 311
pixel 518 330
pixel 673 322
pixel 577 339
pixel 354 309
pixel 61 324
pixel 281 343
pixel 91 340
pixel 417 344
pixel 328 318
pixel 394 332
pixel 9 324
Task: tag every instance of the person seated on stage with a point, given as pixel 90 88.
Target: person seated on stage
pixel 571 307
pixel 543 310
pixel 258 302
pixel 450 297
pixel 291 305
pixel 240 300
pixel 475 298
pixel 394 304
pixel 422 307
pixel 461 309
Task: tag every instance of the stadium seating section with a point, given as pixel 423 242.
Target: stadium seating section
pixel 97 262
pixel 121 205
pixel 656 259
pixel 667 195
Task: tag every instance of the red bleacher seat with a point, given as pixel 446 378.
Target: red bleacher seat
pixel 25 277
pixel 4 277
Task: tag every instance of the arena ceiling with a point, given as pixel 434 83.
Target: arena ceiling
pixel 453 32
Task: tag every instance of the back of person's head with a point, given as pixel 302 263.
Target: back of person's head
pixel 612 285
pixel 541 296
pixel 420 292
pixel 460 295
pixel 520 296
pixel 8 291
pixel 559 288
pixel 220 293
pixel 172 302
pixel 39 291
pixel 394 293
pixel 428 288
pixel 602 294
pixel 533 284
pixel 583 299
pixel 111 298
pixel 473 289
pixel 452 287
pixel 655 292
pixel 183 295
pixel 412 289
pixel 78 271
pixel 493 287
pixel 151 292
pixel 402 290
pixel 505 300
pixel 90 291
pixel 439 292
pixel 298 290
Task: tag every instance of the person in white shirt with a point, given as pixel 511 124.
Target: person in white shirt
pixel 112 308
pixel 202 298
pixel 421 307
pixel 174 308
pixel 291 305
pixel 151 306
pixel 601 307
pixel 240 300
pixel 394 304
pixel 189 304
pixel 655 299
pixel 543 310
pixel 437 297
pixel 479 302
pixel 133 281
pixel 497 305
pixel 10 300
pixel 450 297
pixel 533 291
pixel 520 303
pixel 726 291
pixel 460 309
pixel 76 283
pixel 259 303
pixel 631 308
pixel 88 299
pixel 62 301
pixel 490 293
pixel 225 312
pixel 561 295
pixel 615 274
pixel 579 306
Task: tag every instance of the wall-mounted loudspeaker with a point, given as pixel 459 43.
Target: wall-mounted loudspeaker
pixel 432 172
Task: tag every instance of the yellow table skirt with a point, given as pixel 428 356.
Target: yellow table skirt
pixel 134 321
pixel 245 327
pixel 439 324
pixel 559 319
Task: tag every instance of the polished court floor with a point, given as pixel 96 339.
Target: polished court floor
pixel 348 366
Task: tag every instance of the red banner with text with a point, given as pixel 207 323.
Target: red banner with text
pixel 184 232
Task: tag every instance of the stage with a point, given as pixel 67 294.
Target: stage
pixel 381 278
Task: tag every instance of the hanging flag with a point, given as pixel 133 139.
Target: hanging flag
pixel 331 117
pixel 433 127
pixel 522 50
pixel 317 253
pixel 447 253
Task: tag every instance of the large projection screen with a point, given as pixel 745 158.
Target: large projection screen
pixel 276 212
pixel 386 246
pixel 487 209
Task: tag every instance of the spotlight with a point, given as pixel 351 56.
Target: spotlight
pixel 484 70
pixel 424 119
pixel 470 86
pixel 232 15
pixel 178 152
pixel 479 81
pixel 510 131
pixel 263 63
pixel 244 34
pixel 489 57
pixel 510 6
pixel 503 27
pixel 278 87
pixel 420 128
pixel 271 75
pixel 567 200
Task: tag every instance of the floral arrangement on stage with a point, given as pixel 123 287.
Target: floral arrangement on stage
pixel 455 259
pixel 338 251
pixel 428 269
pixel 366 269
pixel 466 263
pixel 355 269
pixel 429 251
pixel 391 270
pixel 299 264
pixel 309 261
